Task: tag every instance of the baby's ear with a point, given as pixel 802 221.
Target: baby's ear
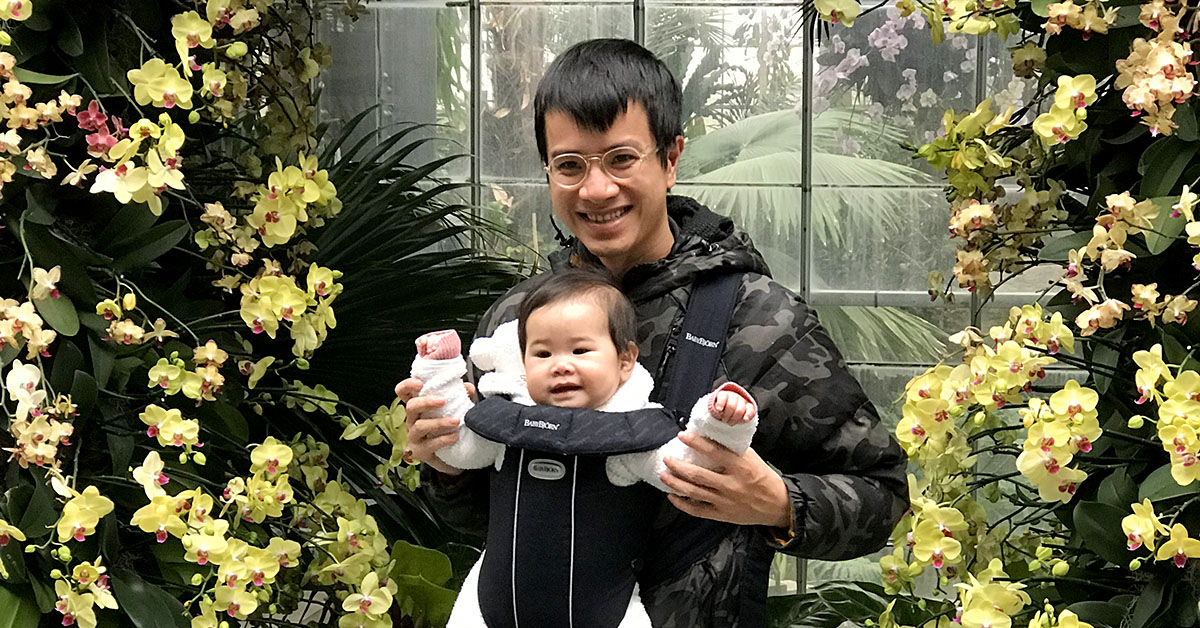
pixel 628 359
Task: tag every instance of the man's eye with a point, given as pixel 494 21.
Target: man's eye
pixel 569 166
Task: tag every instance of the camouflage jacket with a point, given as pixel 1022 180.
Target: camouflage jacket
pixel 844 471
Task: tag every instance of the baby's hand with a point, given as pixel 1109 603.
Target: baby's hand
pixel 439 345
pixel 732 408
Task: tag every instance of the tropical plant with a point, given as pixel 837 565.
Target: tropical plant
pixel 188 420
pixel 1072 505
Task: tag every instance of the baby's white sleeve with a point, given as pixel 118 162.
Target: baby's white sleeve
pixel 625 469
pixel 444 378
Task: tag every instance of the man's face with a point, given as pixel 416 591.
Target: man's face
pixel 570 359
pixel 624 223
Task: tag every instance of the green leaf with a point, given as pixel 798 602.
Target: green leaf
pixel 1155 600
pixel 1040 7
pixel 422 598
pixel 412 560
pixel 59 313
pixel 84 392
pixel 1159 486
pixel 102 361
pixel 1106 356
pixel 1185 114
pixel 40 514
pixel 1099 613
pixel 1165 228
pixel 851 601
pixel 1118 490
pixel 806 611
pixel 147 605
pixel 18 608
pixel 1161 168
pixel 151 245
pixel 1058 247
pixel 37 78
pixel 121 449
pixel 70 40
pixel 1099 527
pixel 227 420
pixel 67 358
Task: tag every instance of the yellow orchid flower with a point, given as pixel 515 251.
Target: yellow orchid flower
pixel 9 532
pixel 371 600
pixel 1075 92
pixel 151 478
pixel 271 456
pixel 81 515
pixel 1143 526
pixel 838 11
pixel 160 84
pixel 45 283
pixel 237 602
pixel 1180 548
pixel 160 516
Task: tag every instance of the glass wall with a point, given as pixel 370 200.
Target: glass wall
pixel 803 135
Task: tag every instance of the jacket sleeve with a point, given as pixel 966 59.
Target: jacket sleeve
pixel 845 473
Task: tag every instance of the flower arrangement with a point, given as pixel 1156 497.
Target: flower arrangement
pixel 1061 505
pixel 171 458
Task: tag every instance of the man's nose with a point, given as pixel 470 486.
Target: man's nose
pixel 597 185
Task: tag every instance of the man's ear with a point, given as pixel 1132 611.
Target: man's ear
pixel 628 358
pixel 673 154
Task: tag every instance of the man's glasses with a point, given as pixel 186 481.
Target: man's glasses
pixel 570 169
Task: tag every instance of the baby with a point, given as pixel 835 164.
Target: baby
pixel 568 523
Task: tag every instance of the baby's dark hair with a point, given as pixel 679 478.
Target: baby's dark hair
pixel 576 283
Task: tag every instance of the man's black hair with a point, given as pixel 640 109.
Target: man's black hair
pixel 579 283
pixel 594 81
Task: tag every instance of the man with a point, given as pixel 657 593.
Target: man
pixel 608 127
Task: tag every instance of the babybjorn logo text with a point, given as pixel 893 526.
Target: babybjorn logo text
pixel 544 469
pixel 703 342
pixel 541 425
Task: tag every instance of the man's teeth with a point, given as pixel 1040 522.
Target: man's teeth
pixel 601 218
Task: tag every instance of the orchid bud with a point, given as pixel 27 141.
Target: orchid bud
pixel 237 50
pixel 129 301
pixel 183 458
pixel 1135 564
pixel 302 364
pixel 197 579
pixel 64 554
pixel 56 574
pixel 1060 569
pixel 194 116
pixel 1136 422
pixel 199 458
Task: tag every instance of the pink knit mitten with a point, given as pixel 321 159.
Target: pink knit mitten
pixel 439 345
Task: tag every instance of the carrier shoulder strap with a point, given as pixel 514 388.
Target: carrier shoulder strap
pixel 701 340
pixel 693 367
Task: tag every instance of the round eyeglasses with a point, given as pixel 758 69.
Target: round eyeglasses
pixel 570 169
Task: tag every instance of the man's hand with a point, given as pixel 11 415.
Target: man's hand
pixel 427 431
pixel 742 489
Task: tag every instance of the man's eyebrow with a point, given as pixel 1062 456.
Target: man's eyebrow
pixel 628 143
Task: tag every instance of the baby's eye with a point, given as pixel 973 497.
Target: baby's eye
pixel 541 354
pixel 581 350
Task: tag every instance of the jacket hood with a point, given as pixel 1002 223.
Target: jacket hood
pixel 704 241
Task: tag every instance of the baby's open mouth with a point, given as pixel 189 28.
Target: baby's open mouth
pixel 562 388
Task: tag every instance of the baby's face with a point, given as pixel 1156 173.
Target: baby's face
pixel 570 359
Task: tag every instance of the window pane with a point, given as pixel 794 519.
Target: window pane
pixel 770 214
pixel 879 238
pixel 519 41
pixel 885 74
pixel 410 59
pixel 741 71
